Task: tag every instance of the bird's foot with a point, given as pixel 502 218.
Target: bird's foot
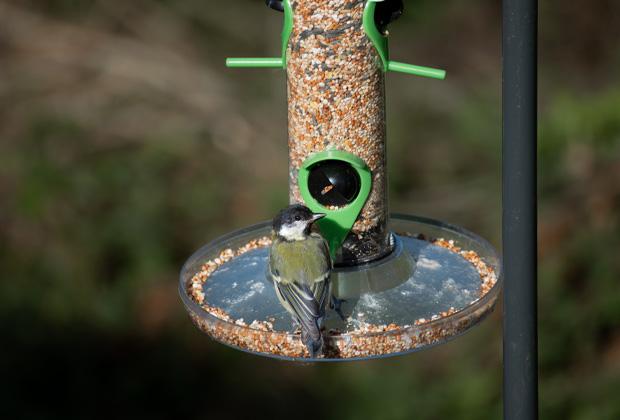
pixel 336 305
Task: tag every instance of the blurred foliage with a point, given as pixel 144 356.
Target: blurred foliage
pixel 125 145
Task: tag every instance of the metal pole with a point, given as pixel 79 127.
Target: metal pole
pixel 520 21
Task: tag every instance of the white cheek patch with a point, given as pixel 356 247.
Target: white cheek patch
pixel 293 231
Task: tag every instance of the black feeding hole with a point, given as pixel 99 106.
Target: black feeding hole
pixel 334 183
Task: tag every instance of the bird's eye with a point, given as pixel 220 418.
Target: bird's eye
pixel 297 218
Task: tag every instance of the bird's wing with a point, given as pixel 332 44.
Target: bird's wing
pixel 321 290
pixel 301 276
pixel 302 302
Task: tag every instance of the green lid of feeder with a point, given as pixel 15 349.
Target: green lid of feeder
pixel 379 40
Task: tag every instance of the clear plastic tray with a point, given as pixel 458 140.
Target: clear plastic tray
pixel 425 293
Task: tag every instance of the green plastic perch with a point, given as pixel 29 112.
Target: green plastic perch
pixel 395 66
pixel 262 63
pixel 416 70
pixel 338 223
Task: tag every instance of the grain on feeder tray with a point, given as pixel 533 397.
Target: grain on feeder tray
pixel 366 340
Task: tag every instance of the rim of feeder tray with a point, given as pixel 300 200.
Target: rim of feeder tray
pixel 464 318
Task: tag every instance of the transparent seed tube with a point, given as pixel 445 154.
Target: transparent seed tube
pixel 336 100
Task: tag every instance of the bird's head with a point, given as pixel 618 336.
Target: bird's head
pixel 294 222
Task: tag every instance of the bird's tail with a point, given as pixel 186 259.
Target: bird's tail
pixel 307 311
pixel 312 338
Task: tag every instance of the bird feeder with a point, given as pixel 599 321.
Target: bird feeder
pixel 406 282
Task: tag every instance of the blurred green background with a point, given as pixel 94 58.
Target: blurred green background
pixel 125 144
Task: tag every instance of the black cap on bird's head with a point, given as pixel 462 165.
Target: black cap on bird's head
pixel 295 221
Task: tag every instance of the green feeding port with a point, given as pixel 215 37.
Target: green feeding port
pixel 429 72
pixel 338 184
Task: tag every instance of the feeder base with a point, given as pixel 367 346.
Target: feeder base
pixel 438 282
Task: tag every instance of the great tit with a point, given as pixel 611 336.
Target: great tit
pixel 300 265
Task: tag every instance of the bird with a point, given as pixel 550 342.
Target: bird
pixel 300 266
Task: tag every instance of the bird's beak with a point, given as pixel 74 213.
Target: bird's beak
pixel 317 216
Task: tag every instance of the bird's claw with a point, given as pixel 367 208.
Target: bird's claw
pixel 336 305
